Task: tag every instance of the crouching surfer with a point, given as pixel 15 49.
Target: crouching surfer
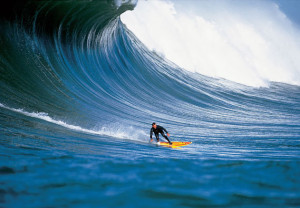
pixel 156 129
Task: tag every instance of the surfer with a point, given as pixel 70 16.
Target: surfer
pixel 158 129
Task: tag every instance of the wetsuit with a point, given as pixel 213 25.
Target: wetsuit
pixel 159 129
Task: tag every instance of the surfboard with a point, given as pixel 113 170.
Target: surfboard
pixel 174 144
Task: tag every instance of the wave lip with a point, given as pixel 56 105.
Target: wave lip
pixel 120 3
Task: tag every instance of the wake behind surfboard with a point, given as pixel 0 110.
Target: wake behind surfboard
pixel 174 144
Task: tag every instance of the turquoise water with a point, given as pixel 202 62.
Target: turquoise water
pixel 79 93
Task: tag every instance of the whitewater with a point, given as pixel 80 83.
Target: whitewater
pixel 82 81
pixel 248 43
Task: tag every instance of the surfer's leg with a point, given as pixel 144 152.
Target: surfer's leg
pixel 166 138
pixel 157 137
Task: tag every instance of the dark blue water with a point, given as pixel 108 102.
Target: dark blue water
pixel 79 93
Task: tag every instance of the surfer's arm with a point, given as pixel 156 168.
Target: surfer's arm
pixel 151 133
pixel 165 131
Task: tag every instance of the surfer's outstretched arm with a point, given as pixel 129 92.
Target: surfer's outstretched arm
pixel 165 131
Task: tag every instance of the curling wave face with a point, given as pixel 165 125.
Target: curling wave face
pixel 77 62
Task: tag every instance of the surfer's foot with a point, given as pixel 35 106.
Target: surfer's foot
pixel 170 143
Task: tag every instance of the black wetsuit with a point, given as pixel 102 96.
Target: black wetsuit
pixel 159 129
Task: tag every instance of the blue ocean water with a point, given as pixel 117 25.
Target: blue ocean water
pixel 78 95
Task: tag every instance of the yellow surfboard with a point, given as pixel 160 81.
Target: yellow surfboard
pixel 174 144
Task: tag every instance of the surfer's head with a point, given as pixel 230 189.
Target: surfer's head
pixel 154 125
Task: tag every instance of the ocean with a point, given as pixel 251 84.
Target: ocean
pixel 79 91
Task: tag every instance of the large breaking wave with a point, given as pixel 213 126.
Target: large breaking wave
pixel 78 94
pixel 76 62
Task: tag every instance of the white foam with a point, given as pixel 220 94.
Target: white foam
pixel 247 42
pixel 116 131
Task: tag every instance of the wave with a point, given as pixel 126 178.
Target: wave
pixel 79 92
pixel 77 62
